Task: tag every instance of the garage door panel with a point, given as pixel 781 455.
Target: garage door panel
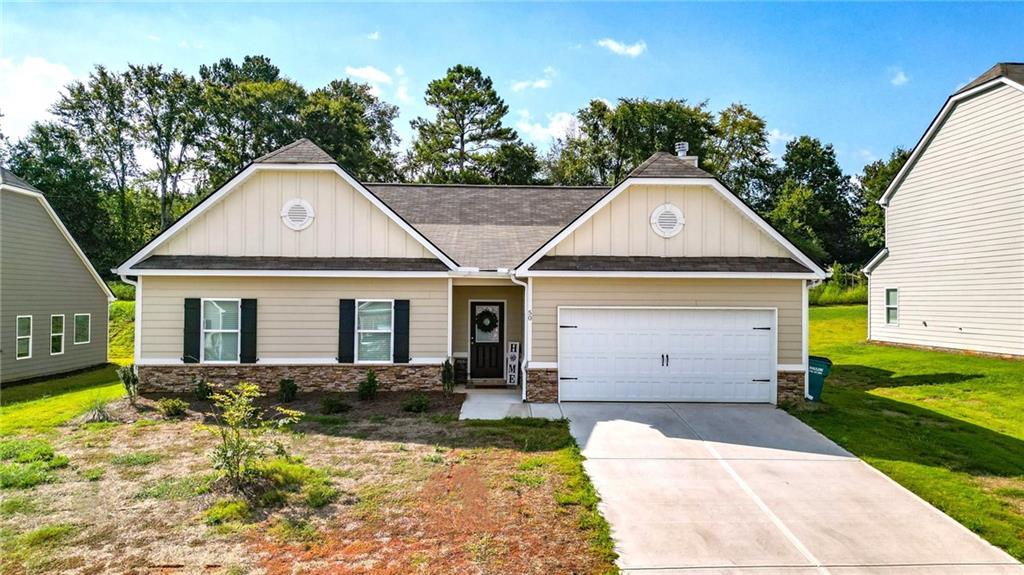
pixel 610 354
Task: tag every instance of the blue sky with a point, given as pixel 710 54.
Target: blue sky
pixel 865 77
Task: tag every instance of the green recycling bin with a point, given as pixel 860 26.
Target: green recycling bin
pixel 818 369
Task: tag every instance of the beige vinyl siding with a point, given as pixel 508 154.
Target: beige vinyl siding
pixel 297 317
pixel 513 297
pixel 42 276
pixel 247 222
pixel 714 227
pixel 549 293
pixel 955 232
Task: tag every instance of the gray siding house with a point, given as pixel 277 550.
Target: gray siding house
pixel 53 304
pixel 952 271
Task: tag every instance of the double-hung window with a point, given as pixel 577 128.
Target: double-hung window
pixel 374 330
pixel 83 327
pixel 24 337
pixel 56 334
pixel 892 306
pixel 221 323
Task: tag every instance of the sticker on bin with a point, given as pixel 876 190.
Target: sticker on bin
pixel 816 370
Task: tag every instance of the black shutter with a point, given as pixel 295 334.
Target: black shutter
pixel 192 333
pixel 248 344
pixel 401 351
pixel 347 331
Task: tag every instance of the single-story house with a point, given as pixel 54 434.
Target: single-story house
pixel 53 304
pixel 951 274
pixel 664 287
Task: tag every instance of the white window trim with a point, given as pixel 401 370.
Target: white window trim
pixel 18 337
pixel 391 352
pixel 88 331
pixel 63 330
pixel 203 331
pixel 887 307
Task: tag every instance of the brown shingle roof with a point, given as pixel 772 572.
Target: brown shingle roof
pixel 291 263
pixel 298 152
pixel 666 165
pixel 1012 70
pixel 669 264
pixel 11 179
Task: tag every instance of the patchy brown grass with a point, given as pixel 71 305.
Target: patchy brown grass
pixel 417 493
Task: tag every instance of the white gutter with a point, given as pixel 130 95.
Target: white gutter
pixel 527 350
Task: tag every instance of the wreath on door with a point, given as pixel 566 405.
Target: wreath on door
pixel 486 321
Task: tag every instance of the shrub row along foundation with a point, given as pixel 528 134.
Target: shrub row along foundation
pixel 336 378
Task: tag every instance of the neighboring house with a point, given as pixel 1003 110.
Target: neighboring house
pixel 666 287
pixel 951 274
pixel 53 304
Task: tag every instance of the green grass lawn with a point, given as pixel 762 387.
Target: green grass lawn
pixel 948 426
pixel 46 404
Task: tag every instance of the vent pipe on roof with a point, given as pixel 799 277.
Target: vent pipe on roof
pixel 682 148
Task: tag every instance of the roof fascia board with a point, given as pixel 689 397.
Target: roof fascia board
pixel 933 128
pixel 249 171
pixel 290 273
pixel 630 274
pixel 710 182
pixel 67 235
pixel 873 263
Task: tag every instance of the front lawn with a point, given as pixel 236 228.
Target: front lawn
pixel 948 426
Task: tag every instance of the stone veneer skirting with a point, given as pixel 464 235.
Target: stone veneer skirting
pixel 542 386
pixel 331 377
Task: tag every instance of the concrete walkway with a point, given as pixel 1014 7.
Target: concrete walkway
pixel 502 403
pixel 730 489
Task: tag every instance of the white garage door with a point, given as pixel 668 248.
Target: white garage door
pixel 630 354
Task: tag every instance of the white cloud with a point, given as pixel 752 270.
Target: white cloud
pixel 623 49
pixel 402 91
pixel 375 35
pixel 183 44
pixel 38 83
pixel 559 124
pixel 538 83
pixel 369 74
pixel 897 77
pixel 153 38
pixel 777 140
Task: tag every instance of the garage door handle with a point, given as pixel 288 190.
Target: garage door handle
pixel 569 378
pixel 662 360
pixel 667 359
pixel 763 328
pixel 567 326
pixel 761 380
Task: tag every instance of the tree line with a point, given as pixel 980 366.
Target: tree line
pixel 128 152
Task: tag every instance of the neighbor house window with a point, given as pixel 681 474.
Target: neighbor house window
pixel 24 337
pixel 892 306
pixel 56 334
pixel 83 323
pixel 221 323
pixel 374 330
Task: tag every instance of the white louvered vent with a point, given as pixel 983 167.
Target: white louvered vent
pixel 667 220
pixel 297 214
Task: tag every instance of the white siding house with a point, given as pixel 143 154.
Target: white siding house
pixel 952 272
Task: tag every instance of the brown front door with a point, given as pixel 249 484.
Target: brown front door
pixel 486 340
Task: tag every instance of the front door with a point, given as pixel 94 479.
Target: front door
pixel 486 340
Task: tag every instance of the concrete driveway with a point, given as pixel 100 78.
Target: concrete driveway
pixel 691 488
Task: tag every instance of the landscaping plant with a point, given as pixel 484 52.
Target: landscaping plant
pixel 368 387
pixel 241 447
pixel 129 377
pixel 447 377
pixel 171 407
pixel 418 403
pixel 287 390
pixel 201 388
pixel 97 411
pixel 333 405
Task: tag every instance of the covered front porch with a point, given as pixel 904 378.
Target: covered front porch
pixel 488 335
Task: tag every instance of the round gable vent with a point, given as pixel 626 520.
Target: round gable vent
pixel 297 214
pixel 667 220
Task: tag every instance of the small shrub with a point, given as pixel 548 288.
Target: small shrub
pixel 333 405
pixel 171 407
pixel 129 377
pixel 418 403
pixel 287 390
pixel 135 459
pixel 447 377
pixel 228 511
pixel 202 389
pixel 97 412
pixel 368 386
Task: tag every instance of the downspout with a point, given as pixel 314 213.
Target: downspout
pixel 137 340
pixel 527 328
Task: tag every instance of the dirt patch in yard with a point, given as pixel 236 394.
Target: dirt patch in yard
pixel 415 493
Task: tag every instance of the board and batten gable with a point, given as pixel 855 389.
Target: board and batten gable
pixel 247 222
pixel 42 275
pixel 955 234
pixel 713 227
pixel 298 316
